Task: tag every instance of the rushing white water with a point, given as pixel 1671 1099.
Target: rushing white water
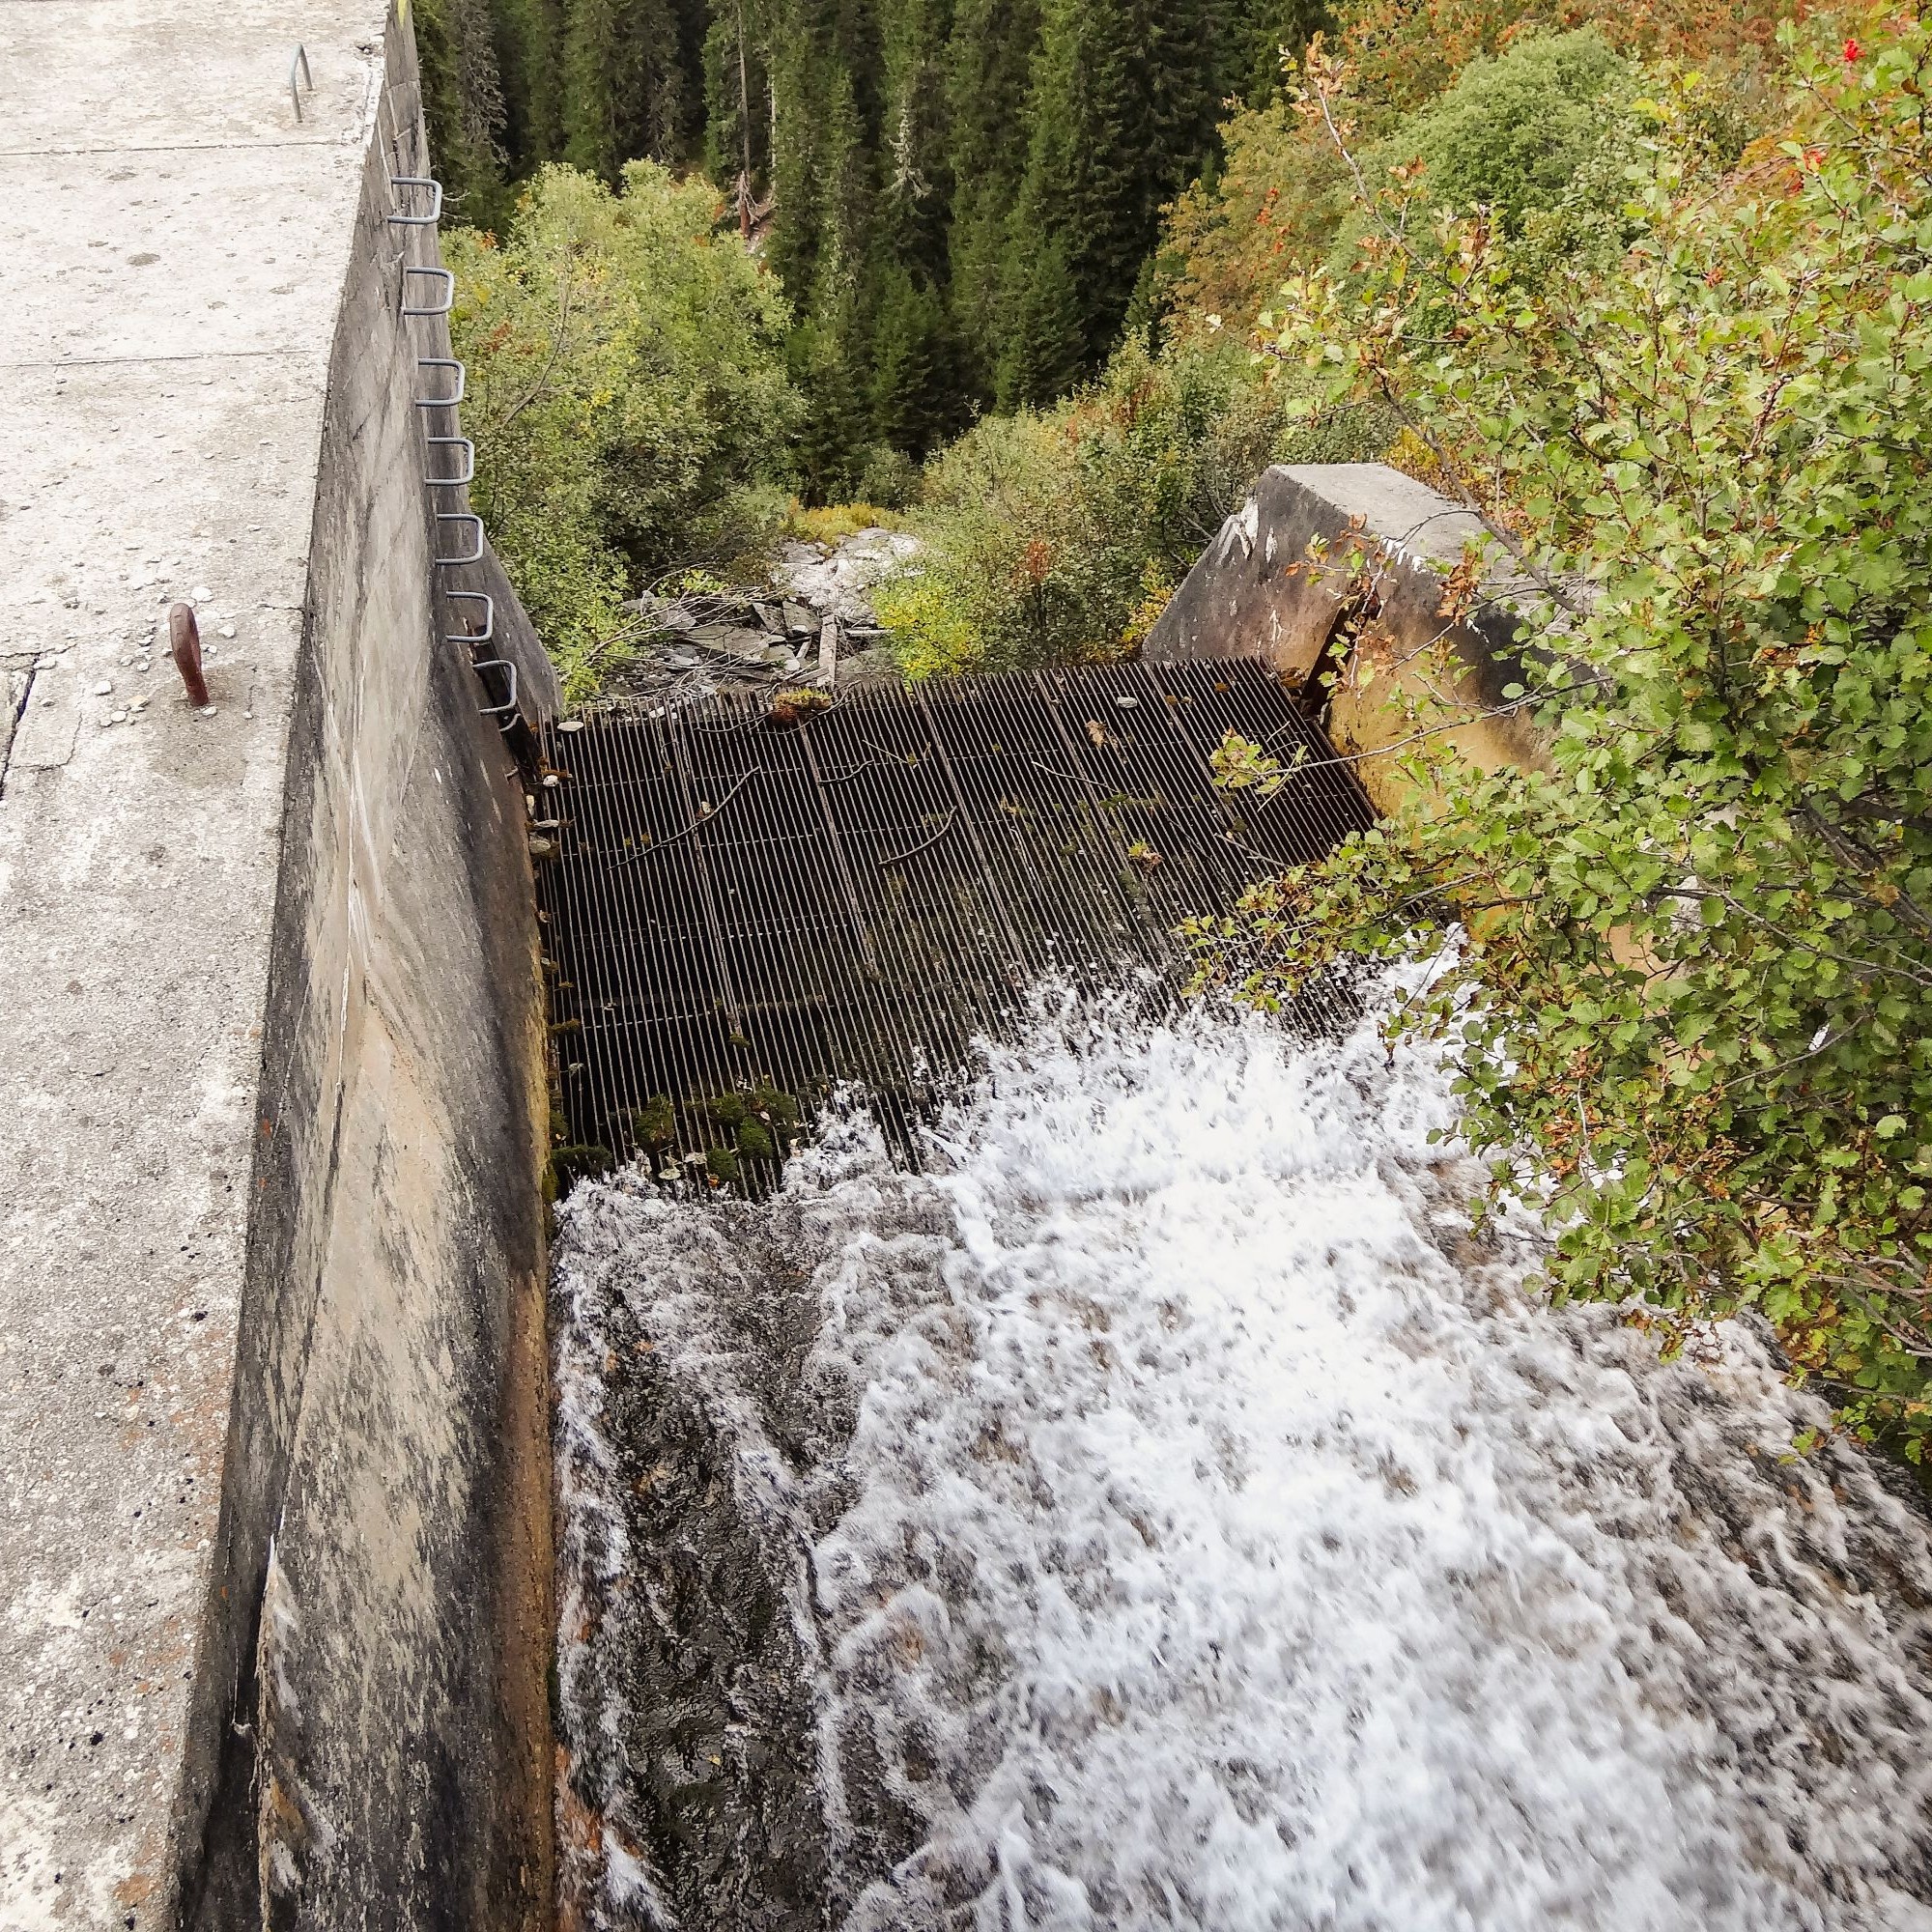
pixel 1182 1522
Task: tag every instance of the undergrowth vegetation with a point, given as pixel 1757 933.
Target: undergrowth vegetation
pixel 1689 961
pixel 1058 536
pixel 628 397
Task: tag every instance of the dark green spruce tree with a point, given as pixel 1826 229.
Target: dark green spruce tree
pixel 1124 107
pixel 989 62
pixel 914 180
pixel 624 86
pixel 529 53
pixel 823 179
pixel 739 120
pixel 918 397
pixel 830 447
pixel 1259 31
pixel 824 148
pixel 1043 348
pixel 919 392
pixel 463 102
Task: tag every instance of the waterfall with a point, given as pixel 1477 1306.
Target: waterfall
pixel 1165 1511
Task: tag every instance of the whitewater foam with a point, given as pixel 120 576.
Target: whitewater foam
pixel 1173 1516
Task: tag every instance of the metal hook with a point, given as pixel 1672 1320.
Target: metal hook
pixel 509 704
pixel 469 467
pixel 435 213
pixel 461 517
pixel 489 630
pixel 462 381
pixel 443 275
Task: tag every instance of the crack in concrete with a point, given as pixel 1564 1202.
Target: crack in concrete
pixel 19 689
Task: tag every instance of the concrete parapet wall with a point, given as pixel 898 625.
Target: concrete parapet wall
pixel 275 1549
pixel 372 1735
pixel 1276 581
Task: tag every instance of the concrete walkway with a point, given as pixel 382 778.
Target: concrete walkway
pixel 172 246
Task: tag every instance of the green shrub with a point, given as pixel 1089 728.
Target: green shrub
pixel 1540 136
pixel 889 477
pixel 1697 994
pixel 932 634
pixel 627 395
pixel 1515 131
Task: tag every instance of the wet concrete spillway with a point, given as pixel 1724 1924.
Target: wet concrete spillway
pixel 746 901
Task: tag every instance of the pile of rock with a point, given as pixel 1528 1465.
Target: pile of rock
pixel 837 581
pixel 745 633
pixel 814 625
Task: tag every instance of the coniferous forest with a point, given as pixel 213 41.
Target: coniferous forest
pixel 961 198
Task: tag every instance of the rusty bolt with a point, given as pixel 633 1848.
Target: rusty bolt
pixel 185 639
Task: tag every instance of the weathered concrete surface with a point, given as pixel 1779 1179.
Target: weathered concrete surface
pixel 1314 536
pixel 206 1329
pixel 379 1612
pixel 151 445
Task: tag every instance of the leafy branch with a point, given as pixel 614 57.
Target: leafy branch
pixel 1691 977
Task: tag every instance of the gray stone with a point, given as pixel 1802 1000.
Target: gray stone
pixel 838 579
pixel 664 612
pixel 732 640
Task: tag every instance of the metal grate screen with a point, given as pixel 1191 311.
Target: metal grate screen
pixel 741 914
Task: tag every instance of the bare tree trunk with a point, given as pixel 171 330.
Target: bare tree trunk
pixel 745 130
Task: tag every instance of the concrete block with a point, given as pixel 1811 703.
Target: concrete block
pixel 1274 583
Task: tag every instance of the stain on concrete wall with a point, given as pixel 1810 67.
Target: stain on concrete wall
pixel 371 1739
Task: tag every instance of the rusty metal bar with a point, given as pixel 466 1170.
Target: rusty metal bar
pixel 184 646
pixel 836 850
